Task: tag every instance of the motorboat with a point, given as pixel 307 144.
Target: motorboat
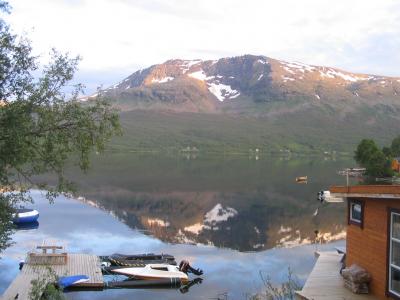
pixel 25 215
pixel 152 271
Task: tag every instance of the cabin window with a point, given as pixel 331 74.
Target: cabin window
pixel 394 258
pixel 356 212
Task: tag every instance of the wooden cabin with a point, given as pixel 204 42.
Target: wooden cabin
pixel 373 234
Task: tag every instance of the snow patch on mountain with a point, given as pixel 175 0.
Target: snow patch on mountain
pixel 331 73
pixel 199 75
pixel 285 78
pixel 187 64
pixel 157 222
pixel 162 80
pixel 216 215
pixel 289 66
pixel 283 229
pixel 223 91
pixel 259 77
pixel 219 90
pixel 219 214
pixel 195 228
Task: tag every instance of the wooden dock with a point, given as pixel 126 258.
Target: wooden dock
pixel 76 264
pixel 326 283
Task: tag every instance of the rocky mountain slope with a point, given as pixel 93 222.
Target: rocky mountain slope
pixel 252 84
pixel 249 102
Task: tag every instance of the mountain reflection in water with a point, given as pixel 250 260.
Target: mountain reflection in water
pixel 230 202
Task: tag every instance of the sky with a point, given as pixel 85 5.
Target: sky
pixel 117 37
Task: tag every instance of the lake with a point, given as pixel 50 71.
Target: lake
pixel 233 217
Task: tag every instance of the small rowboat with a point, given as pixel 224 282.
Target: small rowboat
pixel 153 271
pixel 25 215
pixel 301 179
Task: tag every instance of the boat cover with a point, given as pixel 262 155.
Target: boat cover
pixel 67 281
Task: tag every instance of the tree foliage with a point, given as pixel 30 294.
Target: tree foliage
pixel 376 161
pixel 395 147
pixel 42 125
pixel 44 287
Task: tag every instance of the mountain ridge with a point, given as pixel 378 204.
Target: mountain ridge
pixel 235 84
pixel 247 102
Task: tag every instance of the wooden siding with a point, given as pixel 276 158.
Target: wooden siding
pixel 367 246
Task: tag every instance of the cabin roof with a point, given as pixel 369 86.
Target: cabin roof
pixel 366 191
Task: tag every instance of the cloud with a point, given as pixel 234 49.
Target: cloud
pixel 355 35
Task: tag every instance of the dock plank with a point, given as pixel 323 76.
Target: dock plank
pixel 326 283
pixel 77 264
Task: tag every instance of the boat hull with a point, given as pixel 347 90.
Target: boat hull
pixel 23 216
pixel 139 260
pixel 152 272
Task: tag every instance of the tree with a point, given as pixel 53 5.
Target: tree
pixel 395 146
pixel 368 155
pixel 42 126
pixel 387 151
pixel 364 151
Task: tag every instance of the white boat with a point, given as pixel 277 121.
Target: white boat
pixel 153 271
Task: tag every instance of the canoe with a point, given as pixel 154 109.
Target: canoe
pixel 25 215
pixel 301 178
pixel 139 260
pixel 153 271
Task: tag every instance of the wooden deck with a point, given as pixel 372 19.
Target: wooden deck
pixel 77 264
pixel 326 283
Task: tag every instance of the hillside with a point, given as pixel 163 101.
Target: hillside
pixel 254 101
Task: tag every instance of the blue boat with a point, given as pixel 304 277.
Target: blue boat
pixel 68 281
pixel 27 226
pixel 25 215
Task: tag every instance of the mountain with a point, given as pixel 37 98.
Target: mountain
pixel 279 105
pixel 235 84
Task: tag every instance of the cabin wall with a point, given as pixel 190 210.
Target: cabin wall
pixel 367 246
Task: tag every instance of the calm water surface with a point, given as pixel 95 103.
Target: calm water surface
pixel 232 217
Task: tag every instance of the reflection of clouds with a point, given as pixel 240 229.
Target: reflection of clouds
pixel 296 239
pixel 86 229
pixel 26 241
pixel 108 243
